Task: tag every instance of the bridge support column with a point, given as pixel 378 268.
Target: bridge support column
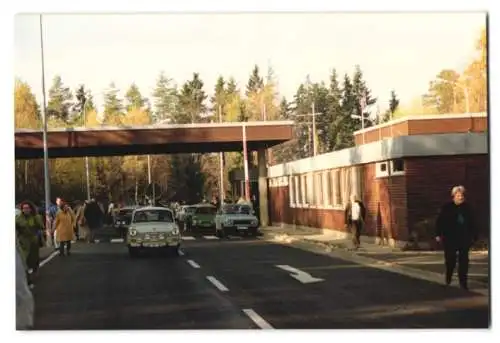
pixel 263 198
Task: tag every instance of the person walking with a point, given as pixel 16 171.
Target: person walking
pixel 457 231
pixel 64 223
pixel 25 304
pixel 29 232
pixel 93 218
pixel 354 219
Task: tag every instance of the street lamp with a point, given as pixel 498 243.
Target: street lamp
pixel 45 147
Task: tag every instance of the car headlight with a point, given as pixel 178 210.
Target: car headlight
pixel 175 231
pixel 254 222
pixel 132 232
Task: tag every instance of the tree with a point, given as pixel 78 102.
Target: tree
pixel 255 82
pixel 285 152
pixel 219 99
pixel 363 98
pixel 60 97
pixel 393 107
pixel 166 102
pixel 333 115
pixel 476 77
pixel 83 100
pixel 26 114
pixel 113 106
pixel 192 99
pixel 346 124
pixel 443 93
pixel 134 99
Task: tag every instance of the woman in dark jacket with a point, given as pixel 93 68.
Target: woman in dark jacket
pixel 456 230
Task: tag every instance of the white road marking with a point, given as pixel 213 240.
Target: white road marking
pixel 188 238
pixel 181 253
pixel 50 257
pixel 261 322
pixel 117 240
pixel 217 284
pixel 210 237
pixel 193 264
pixel 96 241
pixel 299 275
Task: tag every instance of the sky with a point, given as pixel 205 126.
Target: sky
pixel 400 51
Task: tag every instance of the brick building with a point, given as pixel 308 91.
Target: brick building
pixel 402 170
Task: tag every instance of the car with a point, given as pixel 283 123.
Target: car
pixel 153 228
pixel 123 218
pixel 234 219
pixel 202 217
pixel 184 212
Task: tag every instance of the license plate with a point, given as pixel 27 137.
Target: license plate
pixel 242 228
pixel 154 245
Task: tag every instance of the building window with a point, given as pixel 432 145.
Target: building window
pixel 382 169
pixel 291 190
pixel 327 188
pixel 303 190
pixel 337 182
pixel 310 189
pixel 318 189
pixel 298 191
pixel 397 166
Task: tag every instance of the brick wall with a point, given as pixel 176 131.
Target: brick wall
pixel 386 202
pixel 430 180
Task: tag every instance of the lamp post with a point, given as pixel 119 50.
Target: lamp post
pixel 45 147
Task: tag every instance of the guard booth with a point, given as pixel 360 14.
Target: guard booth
pixel 237 181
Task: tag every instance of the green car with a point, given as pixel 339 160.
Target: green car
pixel 202 217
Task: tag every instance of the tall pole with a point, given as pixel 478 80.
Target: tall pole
pixel 149 172
pixel 87 172
pixel 221 165
pixel 315 147
pixel 245 163
pixel 45 147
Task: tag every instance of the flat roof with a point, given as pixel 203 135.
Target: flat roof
pixel 152 139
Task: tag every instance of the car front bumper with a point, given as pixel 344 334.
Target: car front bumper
pixel 139 243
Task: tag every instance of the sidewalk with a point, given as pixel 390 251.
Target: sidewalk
pixel 430 263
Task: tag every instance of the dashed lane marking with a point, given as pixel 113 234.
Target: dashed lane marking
pixel 211 237
pixel 188 238
pixel 217 284
pixel 258 320
pixel 117 240
pixel 193 264
pixel 47 260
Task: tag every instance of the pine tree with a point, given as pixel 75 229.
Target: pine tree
pixel 363 98
pixel 83 100
pixel 393 106
pixel 113 106
pixel 219 99
pixel 255 82
pixel 166 101
pixel 192 99
pixel 60 101
pixel 134 98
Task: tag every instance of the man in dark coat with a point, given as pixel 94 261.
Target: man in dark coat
pixel 93 217
pixel 456 230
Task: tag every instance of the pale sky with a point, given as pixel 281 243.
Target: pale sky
pixel 400 51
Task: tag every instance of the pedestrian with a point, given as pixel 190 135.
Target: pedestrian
pixel 80 222
pixel 456 230
pixel 29 232
pixel 93 218
pixel 354 219
pixel 25 305
pixel 64 223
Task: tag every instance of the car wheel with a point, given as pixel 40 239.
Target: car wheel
pixel 133 252
pixel 253 233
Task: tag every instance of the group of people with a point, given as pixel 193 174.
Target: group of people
pixel 455 229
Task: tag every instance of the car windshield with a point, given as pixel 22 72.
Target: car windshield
pixel 127 212
pixel 231 209
pixel 206 210
pixel 190 209
pixel 145 216
pixel 245 209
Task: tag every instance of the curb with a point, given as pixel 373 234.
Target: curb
pixel 340 251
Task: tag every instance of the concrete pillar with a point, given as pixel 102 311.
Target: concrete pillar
pixel 263 199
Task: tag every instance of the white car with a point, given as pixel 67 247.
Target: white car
pixel 233 219
pixel 153 228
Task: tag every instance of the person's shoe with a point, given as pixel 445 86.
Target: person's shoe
pixel 448 280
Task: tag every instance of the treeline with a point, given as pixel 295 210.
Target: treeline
pixel 190 176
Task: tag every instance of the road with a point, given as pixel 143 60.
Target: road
pixel 245 283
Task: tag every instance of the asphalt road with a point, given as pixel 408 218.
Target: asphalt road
pixel 239 284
